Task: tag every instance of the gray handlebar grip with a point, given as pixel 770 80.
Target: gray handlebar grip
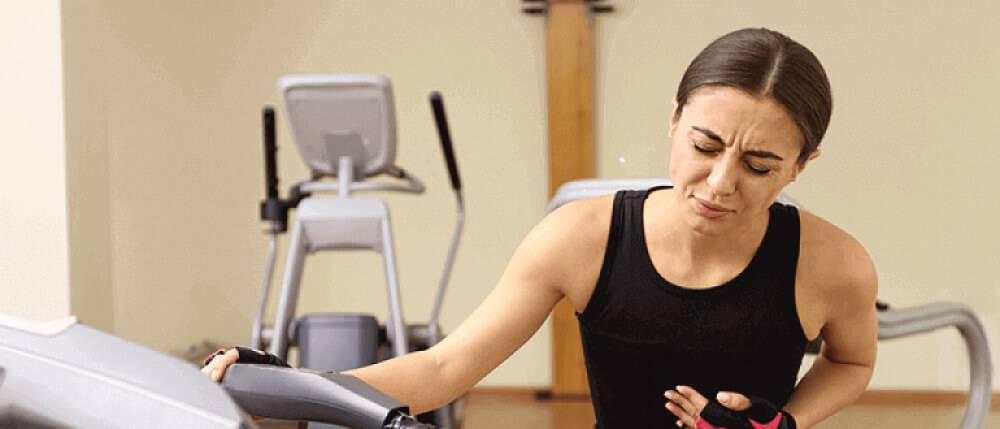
pixel 408 423
pixel 302 394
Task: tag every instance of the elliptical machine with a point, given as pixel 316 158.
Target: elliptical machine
pixel 344 127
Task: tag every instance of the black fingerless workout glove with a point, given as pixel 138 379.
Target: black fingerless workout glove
pixel 248 355
pixel 762 414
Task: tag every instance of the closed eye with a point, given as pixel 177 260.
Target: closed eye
pixel 701 147
pixel 706 149
pixel 760 171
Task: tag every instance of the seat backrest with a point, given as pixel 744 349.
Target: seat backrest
pixel 587 188
pixel 332 116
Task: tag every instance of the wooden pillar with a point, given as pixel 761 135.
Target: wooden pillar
pixel 570 74
pixel 570 69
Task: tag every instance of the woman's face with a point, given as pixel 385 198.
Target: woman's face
pixel 732 155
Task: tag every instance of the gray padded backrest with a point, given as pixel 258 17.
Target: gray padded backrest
pixel 587 188
pixel 337 115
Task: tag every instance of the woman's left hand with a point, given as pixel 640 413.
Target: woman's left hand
pixel 687 404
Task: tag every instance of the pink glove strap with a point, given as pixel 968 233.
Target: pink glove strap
pixel 702 424
pixel 773 424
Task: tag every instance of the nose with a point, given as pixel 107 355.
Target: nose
pixel 723 177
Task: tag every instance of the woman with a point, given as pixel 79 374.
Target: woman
pixel 695 302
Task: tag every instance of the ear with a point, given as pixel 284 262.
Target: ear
pixel 800 167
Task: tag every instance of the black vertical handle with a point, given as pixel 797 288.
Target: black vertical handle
pixel 437 105
pixel 272 208
pixel 270 154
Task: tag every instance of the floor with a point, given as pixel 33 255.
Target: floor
pixel 505 411
pixel 491 410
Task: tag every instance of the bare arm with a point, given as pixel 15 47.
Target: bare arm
pixel 559 253
pixel 560 257
pixel 842 371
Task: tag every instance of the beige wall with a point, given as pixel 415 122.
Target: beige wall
pixel 87 166
pixel 908 164
pixel 179 109
pixel 174 133
pixel 34 280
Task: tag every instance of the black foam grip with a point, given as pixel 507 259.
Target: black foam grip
pixel 437 105
pixel 270 154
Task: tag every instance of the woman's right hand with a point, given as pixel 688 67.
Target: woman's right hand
pixel 216 363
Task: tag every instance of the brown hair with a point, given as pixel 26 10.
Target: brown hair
pixel 766 63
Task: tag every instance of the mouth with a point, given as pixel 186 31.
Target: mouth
pixel 709 210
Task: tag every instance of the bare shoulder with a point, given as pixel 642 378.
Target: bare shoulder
pixel 835 262
pixel 585 214
pixel 571 241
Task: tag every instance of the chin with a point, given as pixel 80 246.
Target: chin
pixel 707 226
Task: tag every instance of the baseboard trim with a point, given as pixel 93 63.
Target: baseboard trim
pixel 920 397
pixel 871 397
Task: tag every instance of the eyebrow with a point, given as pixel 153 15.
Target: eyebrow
pixel 708 133
pixel 755 153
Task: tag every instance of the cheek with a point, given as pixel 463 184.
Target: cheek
pixel 686 168
pixel 672 167
pixel 762 198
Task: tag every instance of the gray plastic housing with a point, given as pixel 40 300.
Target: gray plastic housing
pixel 337 341
pixel 66 375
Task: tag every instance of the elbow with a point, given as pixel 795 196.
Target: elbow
pixel 860 371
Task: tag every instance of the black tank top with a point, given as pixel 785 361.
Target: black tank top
pixel 643 335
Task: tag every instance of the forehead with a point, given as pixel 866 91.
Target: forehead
pixel 738 116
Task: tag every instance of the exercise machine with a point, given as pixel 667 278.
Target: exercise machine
pixel 62 375
pixel 345 130
pixel 892 323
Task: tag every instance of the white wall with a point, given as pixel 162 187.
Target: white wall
pixel 34 277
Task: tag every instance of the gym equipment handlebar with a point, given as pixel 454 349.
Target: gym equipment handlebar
pixel 270 153
pixel 437 104
pixel 316 396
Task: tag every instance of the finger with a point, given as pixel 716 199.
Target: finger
pixel 231 356
pixel 683 401
pixel 697 399
pixel 683 417
pixel 733 401
pixel 217 362
pixel 676 409
pixel 216 368
pixel 211 356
